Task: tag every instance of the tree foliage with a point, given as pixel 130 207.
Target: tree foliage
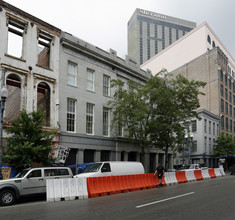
pixel 157 113
pixel 28 143
pixel 224 145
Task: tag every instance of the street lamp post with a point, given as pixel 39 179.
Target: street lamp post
pixel 4 95
pixel 189 141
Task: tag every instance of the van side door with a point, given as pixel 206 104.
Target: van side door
pixel 33 183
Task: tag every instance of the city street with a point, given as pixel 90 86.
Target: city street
pixel 208 199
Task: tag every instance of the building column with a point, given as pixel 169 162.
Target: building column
pixel 79 157
pixel 125 156
pixel 97 156
pixel 117 155
pixel 146 162
pixel 163 160
pixel 113 155
pixel 171 161
pixel 157 159
pixel 138 156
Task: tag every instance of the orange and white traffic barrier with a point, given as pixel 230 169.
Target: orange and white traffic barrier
pixel 190 175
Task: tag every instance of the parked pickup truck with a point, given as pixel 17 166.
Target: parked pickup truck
pixel 30 181
pixel 192 167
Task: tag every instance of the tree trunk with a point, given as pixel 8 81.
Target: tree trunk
pixel 166 158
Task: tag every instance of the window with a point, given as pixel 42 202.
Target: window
pixel 205 125
pixel 234 99
pixel 226 123
pixel 226 80
pixel 120 131
pixel 56 172
pixel 44 48
pixel 231 125
pixel 15 38
pixel 106 115
pixel 194 126
pixel 213 44
pixel 106 85
pixel 222 122
pixel 35 173
pixel 221 75
pixel 106 168
pixel 89 118
pixel 226 93
pixel 13 104
pixel 221 90
pixel 205 144
pixel 230 110
pixel 71 110
pixel 230 83
pixel 72 74
pixel 230 96
pixel 222 105
pixel 90 80
pixel 194 146
pixel 209 39
pixel 217 130
pixel 226 107
pixel 210 149
pixel 209 127
pixel 213 128
pixel 43 101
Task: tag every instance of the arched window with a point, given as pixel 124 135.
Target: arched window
pixel 43 102
pixel 213 44
pixel 13 102
pixel 209 39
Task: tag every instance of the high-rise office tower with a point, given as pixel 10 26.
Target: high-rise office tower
pixel 150 32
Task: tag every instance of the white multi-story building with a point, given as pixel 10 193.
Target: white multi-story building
pixel 199 142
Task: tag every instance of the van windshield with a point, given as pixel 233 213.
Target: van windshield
pixel 92 168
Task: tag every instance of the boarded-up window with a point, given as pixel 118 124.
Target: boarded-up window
pixel 43 102
pixel 13 102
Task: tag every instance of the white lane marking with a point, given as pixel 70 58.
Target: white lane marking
pixel 163 200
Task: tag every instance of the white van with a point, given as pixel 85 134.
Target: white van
pixel 112 168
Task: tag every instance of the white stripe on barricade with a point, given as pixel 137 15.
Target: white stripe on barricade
pixel 217 172
pixel 190 175
pixel 205 174
pixel 66 189
pixel 81 187
pixel 57 189
pixel 170 178
pixel 50 190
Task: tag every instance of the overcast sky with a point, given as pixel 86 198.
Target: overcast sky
pixel 104 22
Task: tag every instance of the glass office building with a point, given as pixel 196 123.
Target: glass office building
pixel 150 32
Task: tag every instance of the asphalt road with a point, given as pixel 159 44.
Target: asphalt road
pixel 207 199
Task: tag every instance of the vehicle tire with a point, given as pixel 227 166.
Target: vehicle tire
pixel 7 197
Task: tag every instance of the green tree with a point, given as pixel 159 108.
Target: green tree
pixel 224 146
pixel 157 113
pixel 28 142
